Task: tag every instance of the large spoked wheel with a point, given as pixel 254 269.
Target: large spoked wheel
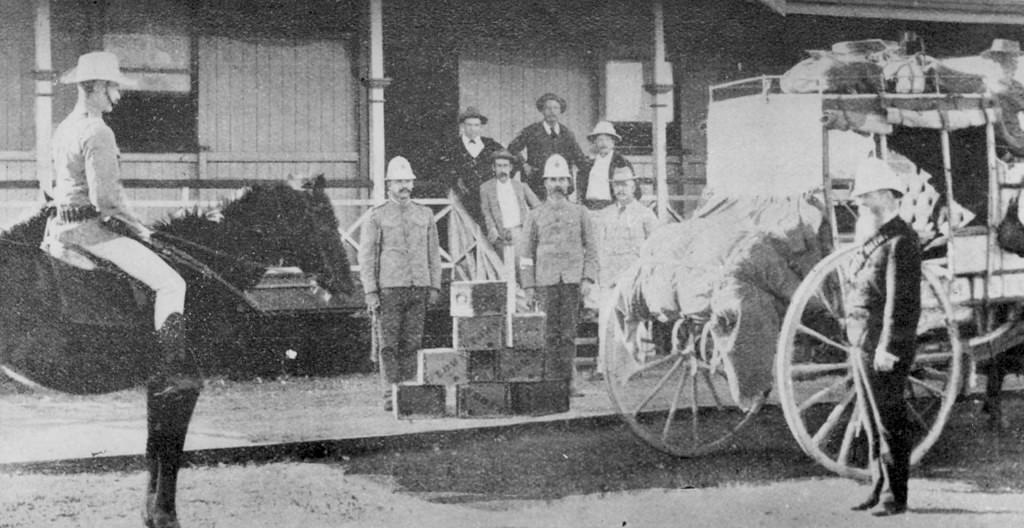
pixel 815 382
pixel 676 397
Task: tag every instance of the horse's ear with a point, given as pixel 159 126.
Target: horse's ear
pixel 317 183
pixel 295 182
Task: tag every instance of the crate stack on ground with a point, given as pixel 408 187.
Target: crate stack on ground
pixel 497 366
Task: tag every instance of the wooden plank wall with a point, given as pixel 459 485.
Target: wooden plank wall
pixel 17 58
pixel 269 108
pixel 505 87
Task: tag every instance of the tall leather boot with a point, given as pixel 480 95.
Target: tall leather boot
pixel 177 370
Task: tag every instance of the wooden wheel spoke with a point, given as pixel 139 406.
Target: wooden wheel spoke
pixel 833 419
pixel 817 335
pixel 673 406
pixel 818 368
pixel 843 457
pixel 934 391
pixel 657 387
pixel 930 374
pixel 820 396
pixel 706 376
pixel 916 416
pixel 656 363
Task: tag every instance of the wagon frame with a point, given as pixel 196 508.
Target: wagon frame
pixel 674 399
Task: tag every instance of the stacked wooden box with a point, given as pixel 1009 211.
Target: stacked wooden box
pixel 497 365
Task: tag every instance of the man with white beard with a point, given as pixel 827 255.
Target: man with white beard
pixel 884 305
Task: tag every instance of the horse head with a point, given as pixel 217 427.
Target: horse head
pixel 291 225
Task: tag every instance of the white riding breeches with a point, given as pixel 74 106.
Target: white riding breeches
pixel 147 267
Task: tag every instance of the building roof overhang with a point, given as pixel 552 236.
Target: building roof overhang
pixel 956 11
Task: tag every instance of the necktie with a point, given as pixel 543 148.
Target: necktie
pixel 472 142
pixel 554 135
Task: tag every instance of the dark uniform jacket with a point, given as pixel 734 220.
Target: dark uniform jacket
pixel 559 245
pixel 398 248
pixel 884 300
pixel 458 167
pixel 540 146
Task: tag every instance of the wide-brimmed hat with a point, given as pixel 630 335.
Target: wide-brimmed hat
pixel 863 47
pixel 399 169
pixel 874 174
pixel 503 154
pixel 556 167
pixel 1010 47
pixel 471 111
pixel 98 66
pixel 551 97
pixel 604 128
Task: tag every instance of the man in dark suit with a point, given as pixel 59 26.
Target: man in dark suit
pixel 505 203
pixel 884 305
pixel 541 140
pixel 466 161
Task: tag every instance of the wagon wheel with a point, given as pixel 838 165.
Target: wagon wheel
pixel 674 398
pixel 814 379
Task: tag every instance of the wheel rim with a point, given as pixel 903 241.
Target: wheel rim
pixel 815 381
pixel 675 399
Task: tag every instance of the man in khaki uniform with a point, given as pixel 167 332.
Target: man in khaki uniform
pixel 558 258
pixel 400 267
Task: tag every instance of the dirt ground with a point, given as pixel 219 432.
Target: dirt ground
pixel 556 476
pixel 323 495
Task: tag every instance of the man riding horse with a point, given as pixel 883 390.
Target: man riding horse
pixel 89 201
pixel 88 195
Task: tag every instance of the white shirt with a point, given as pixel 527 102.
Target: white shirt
pixel 547 128
pixel 509 204
pixel 598 187
pixel 474 146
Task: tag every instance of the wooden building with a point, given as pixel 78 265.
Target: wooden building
pixel 241 90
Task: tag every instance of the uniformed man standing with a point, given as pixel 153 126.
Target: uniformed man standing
pixel 622 228
pixel 558 259
pixel 400 267
pixel 884 303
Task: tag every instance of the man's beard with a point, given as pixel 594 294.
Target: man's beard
pixel 559 190
pixel 867 225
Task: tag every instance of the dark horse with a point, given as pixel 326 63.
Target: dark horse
pixel 91 331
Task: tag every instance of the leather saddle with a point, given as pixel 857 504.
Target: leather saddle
pixel 94 292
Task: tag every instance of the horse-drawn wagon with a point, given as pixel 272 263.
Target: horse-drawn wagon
pixel 752 286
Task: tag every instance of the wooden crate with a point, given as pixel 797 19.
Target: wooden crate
pixel 479 400
pixel 540 397
pixel 483 332
pixel 473 298
pixel 412 400
pixel 442 366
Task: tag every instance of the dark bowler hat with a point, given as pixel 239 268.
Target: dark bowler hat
pixel 502 154
pixel 550 97
pixel 471 111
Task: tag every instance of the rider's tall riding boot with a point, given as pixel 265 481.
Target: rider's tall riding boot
pixel 178 369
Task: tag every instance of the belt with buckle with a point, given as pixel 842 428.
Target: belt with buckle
pixel 70 214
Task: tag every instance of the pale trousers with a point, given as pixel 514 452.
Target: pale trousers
pixel 147 267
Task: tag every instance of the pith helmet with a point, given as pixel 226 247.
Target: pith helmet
pixel 399 169
pixel 875 174
pixel 605 128
pixel 98 66
pixel 1009 47
pixel 556 167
